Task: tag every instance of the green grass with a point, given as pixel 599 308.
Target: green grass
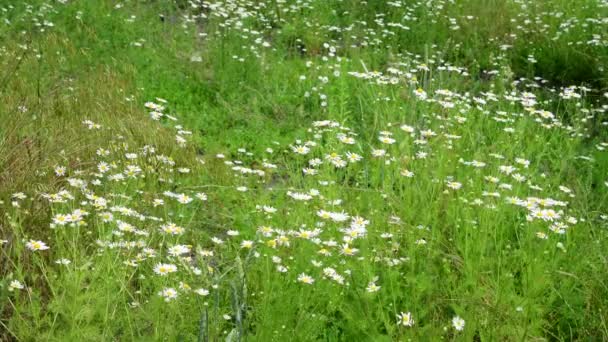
pixel 449 230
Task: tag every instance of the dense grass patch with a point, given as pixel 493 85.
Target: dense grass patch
pixel 303 170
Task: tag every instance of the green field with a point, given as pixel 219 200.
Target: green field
pixel 304 170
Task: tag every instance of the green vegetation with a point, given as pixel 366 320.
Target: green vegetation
pixel 303 170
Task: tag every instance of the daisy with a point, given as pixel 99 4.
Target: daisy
pixel 339 217
pixel 378 153
pixel 348 250
pixel 269 210
pixel 458 323
pixel 306 279
pixel 372 287
pixel 406 319
pixel 353 157
pixel 164 269
pixel 106 216
pixel 386 140
pixel 407 128
pixel 63 261
pixel 300 149
pixel 339 163
pixel 299 196
pixel 454 185
pixel 15 285
pixel 103 167
pixel 60 170
pixel 347 140
pixel 34 245
pixel 202 292
pixel 61 219
pixel 184 199
pixel 172 229
pixel 407 173
pixel 178 250
pixel 168 294
pixel 309 171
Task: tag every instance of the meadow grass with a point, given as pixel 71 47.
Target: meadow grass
pixel 307 170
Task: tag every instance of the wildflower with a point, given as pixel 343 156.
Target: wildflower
pixel 428 133
pixel 63 261
pixel 103 167
pixel 347 250
pixel 407 128
pixel 61 219
pixel 454 185
pixel 164 269
pixel 309 171
pixel 301 149
pixel 324 252
pixel 106 217
pixel 184 199
pixel 15 285
pixel 339 217
pixel 184 286
pixel 420 242
pixel 206 253
pixel 546 214
pixel 34 245
pixel 353 157
pixel 524 162
pixel 19 196
pixel 168 294
pixel 202 292
pixel 458 323
pixel 407 173
pixel 421 155
pixel 247 244
pixel 339 163
pixel 306 279
pixel 507 169
pixel 386 140
pixel 132 171
pixel 60 171
pixel 478 164
pixel 269 210
pixel 378 153
pixel 178 250
pixel 347 140
pixel 359 221
pixel 315 162
pixel 372 287
pixel 125 227
pixel 420 94
pixel 519 177
pixel 102 152
pixel 406 319
pixel 172 229
pixel 299 196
